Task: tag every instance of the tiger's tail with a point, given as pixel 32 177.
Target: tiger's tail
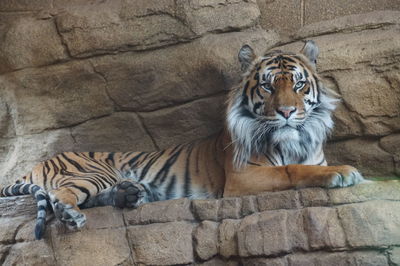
pixel 41 198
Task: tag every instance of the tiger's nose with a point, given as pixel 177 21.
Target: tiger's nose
pixel 286 111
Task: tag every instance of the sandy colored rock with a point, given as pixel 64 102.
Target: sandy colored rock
pixel 227 237
pixel 249 205
pixel 23 154
pixel 126 25
pixel 174 75
pixel 364 154
pixel 118 132
pixel 44 47
pixel 329 9
pixel 284 228
pixel 360 233
pixel 96 218
pixel 91 247
pixel 72 94
pixel 388 190
pixel 162 244
pixel 206 240
pixel 395 255
pixel 288 199
pixel 10 226
pixel 265 262
pixel 206 209
pixel 313 197
pixel 230 208
pixel 31 253
pixel 17 206
pixel 186 120
pixel 160 212
pixel 218 262
pixel 323 228
pixel 24 5
pixel 215 16
pixel 369 258
pixel 360 226
pixel 348 23
pixel 391 144
pixel 285 24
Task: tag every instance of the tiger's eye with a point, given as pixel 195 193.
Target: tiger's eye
pixel 267 87
pixel 299 85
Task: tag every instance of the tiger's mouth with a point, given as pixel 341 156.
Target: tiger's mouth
pixel 293 123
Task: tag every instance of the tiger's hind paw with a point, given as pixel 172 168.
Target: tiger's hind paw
pixel 128 194
pixel 69 215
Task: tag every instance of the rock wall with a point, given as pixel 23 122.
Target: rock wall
pixel 141 75
pixel 351 226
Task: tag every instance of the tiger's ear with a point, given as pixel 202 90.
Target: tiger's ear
pixel 311 51
pixel 246 56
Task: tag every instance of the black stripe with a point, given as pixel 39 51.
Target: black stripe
pixel 149 164
pixel 259 93
pixel 270 160
pixel 252 90
pixel 110 158
pixel 35 188
pixel 169 193
pixel 288 59
pixel 83 190
pixel 56 171
pixel 246 113
pixel 74 163
pixel 256 106
pixel 41 208
pixel 163 173
pixel 246 85
pixel 322 161
pixel 15 189
pixel 40 197
pixel 44 173
pixel 25 190
pixel 251 163
pixel 188 179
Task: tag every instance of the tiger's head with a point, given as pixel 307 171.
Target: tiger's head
pixel 281 104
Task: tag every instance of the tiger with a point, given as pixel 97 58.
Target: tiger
pixel 277 120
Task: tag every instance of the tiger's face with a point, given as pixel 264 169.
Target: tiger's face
pixel 280 106
pixel 281 89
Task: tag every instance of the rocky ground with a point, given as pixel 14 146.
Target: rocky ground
pixel 351 226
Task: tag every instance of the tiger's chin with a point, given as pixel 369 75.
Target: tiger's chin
pixel 285 134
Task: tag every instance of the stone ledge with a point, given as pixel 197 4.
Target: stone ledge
pixel 310 226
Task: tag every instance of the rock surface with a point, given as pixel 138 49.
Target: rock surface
pixel 355 226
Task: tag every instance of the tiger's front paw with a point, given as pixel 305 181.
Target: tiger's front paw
pixel 128 194
pixel 344 176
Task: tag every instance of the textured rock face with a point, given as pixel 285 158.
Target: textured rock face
pixel 352 226
pixel 143 75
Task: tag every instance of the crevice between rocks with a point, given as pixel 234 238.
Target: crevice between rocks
pixel 143 125
pixel 344 30
pixel 62 41
pixel 5 255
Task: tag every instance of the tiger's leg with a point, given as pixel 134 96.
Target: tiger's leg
pixel 64 201
pixel 256 179
pixel 125 194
